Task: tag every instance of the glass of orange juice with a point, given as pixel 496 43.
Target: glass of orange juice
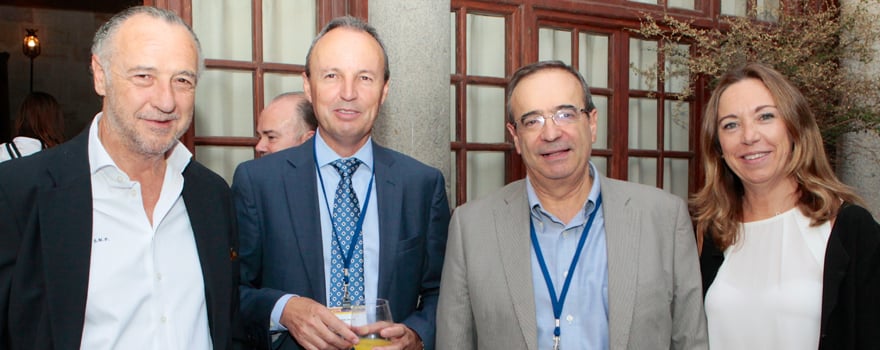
pixel 370 312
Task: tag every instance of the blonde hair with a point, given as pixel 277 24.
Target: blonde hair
pixel 718 207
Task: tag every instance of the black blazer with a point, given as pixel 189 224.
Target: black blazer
pixel 46 238
pixel 850 283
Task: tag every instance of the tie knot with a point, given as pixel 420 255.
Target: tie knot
pixel 346 167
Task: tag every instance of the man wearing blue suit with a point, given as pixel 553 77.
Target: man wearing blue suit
pixel 299 263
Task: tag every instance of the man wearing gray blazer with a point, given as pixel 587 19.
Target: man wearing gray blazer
pixel 567 258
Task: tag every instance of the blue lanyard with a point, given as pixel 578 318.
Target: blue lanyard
pixel 560 301
pixel 346 257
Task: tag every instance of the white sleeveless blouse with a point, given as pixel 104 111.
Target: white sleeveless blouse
pixel 768 291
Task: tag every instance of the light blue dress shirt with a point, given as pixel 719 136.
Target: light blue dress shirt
pixel 360 181
pixel 584 318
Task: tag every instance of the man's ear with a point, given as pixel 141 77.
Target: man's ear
pixel 99 76
pixel 307 87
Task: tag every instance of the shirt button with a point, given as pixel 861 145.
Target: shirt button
pixel 569 318
pixel 164 319
pixel 158 276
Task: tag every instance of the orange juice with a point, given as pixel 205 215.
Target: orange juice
pixel 368 344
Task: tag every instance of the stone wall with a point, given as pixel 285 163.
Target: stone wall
pixel 62 69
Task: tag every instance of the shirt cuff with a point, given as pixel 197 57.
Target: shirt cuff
pixel 275 317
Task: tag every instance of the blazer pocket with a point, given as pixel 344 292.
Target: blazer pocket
pixel 410 243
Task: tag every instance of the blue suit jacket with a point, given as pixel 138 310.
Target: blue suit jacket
pixel 46 241
pixel 276 200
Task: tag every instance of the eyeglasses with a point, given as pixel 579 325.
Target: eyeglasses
pixel 562 117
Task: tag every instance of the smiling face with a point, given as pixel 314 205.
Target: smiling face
pixel 752 134
pixel 148 86
pixel 346 86
pixel 553 152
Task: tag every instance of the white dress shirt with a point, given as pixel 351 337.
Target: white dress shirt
pixel 146 289
pixel 360 181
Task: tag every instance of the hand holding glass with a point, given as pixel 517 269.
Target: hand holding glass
pixel 369 313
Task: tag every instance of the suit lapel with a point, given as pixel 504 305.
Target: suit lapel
pixel 389 198
pixel 622 233
pixel 512 233
pixel 300 184
pixel 65 225
pixel 213 250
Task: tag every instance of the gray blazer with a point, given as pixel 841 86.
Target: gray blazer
pixel 654 286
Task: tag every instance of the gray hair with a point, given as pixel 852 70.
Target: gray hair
pixel 104 51
pixel 303 107
pixel 533 68
pixel 354 24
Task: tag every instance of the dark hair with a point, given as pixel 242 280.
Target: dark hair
pixel 40 117
pixel 717 207
pixel 308 113
pixel 109 29
pixel 533 68
pixel 351 23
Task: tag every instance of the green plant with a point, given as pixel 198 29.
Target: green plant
pixel 823 48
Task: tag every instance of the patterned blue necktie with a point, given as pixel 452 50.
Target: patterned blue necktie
pixel 345 217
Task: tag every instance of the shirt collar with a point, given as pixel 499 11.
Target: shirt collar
pixel 535 203
pixel 99 158
pixel 327 155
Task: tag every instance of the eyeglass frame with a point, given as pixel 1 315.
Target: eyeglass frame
pixel 543 119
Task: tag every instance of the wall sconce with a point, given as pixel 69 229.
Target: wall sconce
pixel 31 48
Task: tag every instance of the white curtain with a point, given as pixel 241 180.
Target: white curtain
pixel 224 98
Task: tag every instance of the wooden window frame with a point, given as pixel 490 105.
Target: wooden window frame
pixel 326 11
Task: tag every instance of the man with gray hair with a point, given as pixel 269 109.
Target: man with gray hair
pixel 287 121
pixel 118 239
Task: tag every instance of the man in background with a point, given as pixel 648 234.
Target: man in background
pixel 287 121
pixel 118 239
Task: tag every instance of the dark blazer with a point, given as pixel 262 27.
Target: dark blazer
pixel 276 200
pixel 46 239
pixel 850 282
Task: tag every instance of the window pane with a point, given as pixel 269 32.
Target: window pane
pixel 485 173
pixel 452 120
pixel 222 159
pixel 452 23
pixel 485 114
pixel 288 29
pixel 601 103
pixel 601 164
pixel 643 170
pixel 677 71
pixel 768 10
pixel 642 123
pixel 224 104
pixel 593 59
pixel 485 46
pixel 682 4
pixel 642 56
pixel 451 180
pixel 675 177
pixel 224 28
pixel 676 126
pixel 733 7
pixel 275 84
pixel 645 1
pixel 554 45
